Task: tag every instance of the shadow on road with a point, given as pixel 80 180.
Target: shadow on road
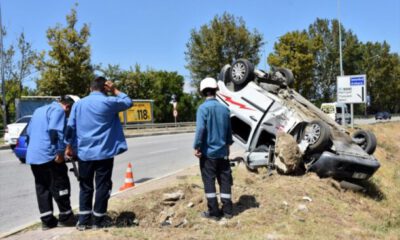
pixel 142 180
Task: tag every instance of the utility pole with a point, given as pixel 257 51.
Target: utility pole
pixel 341 66
pixel 3 87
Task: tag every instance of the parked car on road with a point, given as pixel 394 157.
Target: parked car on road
pixel 383 116
pixel 263 106
pixel 21 145
pixel 13 130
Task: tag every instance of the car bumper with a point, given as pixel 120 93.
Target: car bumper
pixel 344 166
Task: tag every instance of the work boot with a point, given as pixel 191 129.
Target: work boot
pixel 50 224
pixel 207 215
pixel 83 227
pixel 69 222
pixel 104 222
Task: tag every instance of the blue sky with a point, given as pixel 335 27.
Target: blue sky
pixel 154 33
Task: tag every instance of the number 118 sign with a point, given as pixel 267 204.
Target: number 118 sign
pixel 140 112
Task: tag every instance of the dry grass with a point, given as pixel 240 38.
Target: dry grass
pixel 272 207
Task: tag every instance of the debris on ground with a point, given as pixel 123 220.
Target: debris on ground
pixel 287 153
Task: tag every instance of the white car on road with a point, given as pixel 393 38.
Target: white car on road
pixel 13 130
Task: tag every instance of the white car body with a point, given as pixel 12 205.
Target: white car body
pixel 259 110
pixel 13 130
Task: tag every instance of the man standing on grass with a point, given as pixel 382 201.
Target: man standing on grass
pixel 45 154
pixel 211 146
pixel 95 126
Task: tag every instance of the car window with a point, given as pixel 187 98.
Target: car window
pixel 25 129
pixel 23 120
pixel 240 129
pixel 338 110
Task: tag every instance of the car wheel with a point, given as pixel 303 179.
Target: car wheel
pixel 225 74
pixel 288 74
pixel 22 160
pixel 367 140
pixel 317 134
pixel 242 71
pixel 12 146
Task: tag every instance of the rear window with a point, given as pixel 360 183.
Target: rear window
pixel 23 120
pixel 240 129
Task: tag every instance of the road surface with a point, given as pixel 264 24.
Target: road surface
pixel 151 157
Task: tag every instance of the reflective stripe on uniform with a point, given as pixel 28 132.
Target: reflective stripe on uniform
pixel 85 212
pixel 66 212
pixel 225 195
pixel 211 195
pixel 46 214
pixel 98 214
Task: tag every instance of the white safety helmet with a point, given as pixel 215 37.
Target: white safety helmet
pixel 68 99
pixel 208 82
pixel 74 97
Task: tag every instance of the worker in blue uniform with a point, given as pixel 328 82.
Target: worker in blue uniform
pixel 211 145
pixel 95 126
pixel 45 154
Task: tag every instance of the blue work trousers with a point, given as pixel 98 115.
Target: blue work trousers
pixel 100 171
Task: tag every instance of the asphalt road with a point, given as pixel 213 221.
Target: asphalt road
pixel 151 157
pixel 372 120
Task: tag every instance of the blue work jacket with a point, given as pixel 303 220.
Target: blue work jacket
pixel 95 126
pixel 46 134
pixel 213 129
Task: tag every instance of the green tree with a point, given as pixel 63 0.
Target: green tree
pixel 68 69
pixel 223 40
pixel 383 76
pixel 18 60
pixel 156 85
pixel 295 51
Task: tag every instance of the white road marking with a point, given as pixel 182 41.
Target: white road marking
pixel 164 150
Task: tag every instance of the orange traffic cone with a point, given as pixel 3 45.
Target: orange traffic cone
pixel 129 182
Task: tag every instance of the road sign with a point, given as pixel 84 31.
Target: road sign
pixel 140 112
pixel 175 113
pixel 352 89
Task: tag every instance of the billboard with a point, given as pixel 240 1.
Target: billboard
pixel 140 112
pixel 352 89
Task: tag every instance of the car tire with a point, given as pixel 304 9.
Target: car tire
pixel 288 74
pixel 225 74
pixel 317 133
pixel 369 144
pixel 242 72
pixel 22 160
pixel 12 146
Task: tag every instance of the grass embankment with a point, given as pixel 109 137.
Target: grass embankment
pixel 272 207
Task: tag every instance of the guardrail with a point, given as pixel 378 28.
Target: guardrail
pixel 159 125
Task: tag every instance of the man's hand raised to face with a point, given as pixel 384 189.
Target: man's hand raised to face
pixel 109 87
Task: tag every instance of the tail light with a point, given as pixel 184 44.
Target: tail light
pixel 17 143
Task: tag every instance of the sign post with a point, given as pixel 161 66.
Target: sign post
pixel 174 103
pixel 352 89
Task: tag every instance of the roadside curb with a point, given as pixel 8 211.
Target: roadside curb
pixel 3 147
pixel 157 134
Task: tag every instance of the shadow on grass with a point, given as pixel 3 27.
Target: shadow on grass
pixel 122 219
pixel 373 191
pixel 245 202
